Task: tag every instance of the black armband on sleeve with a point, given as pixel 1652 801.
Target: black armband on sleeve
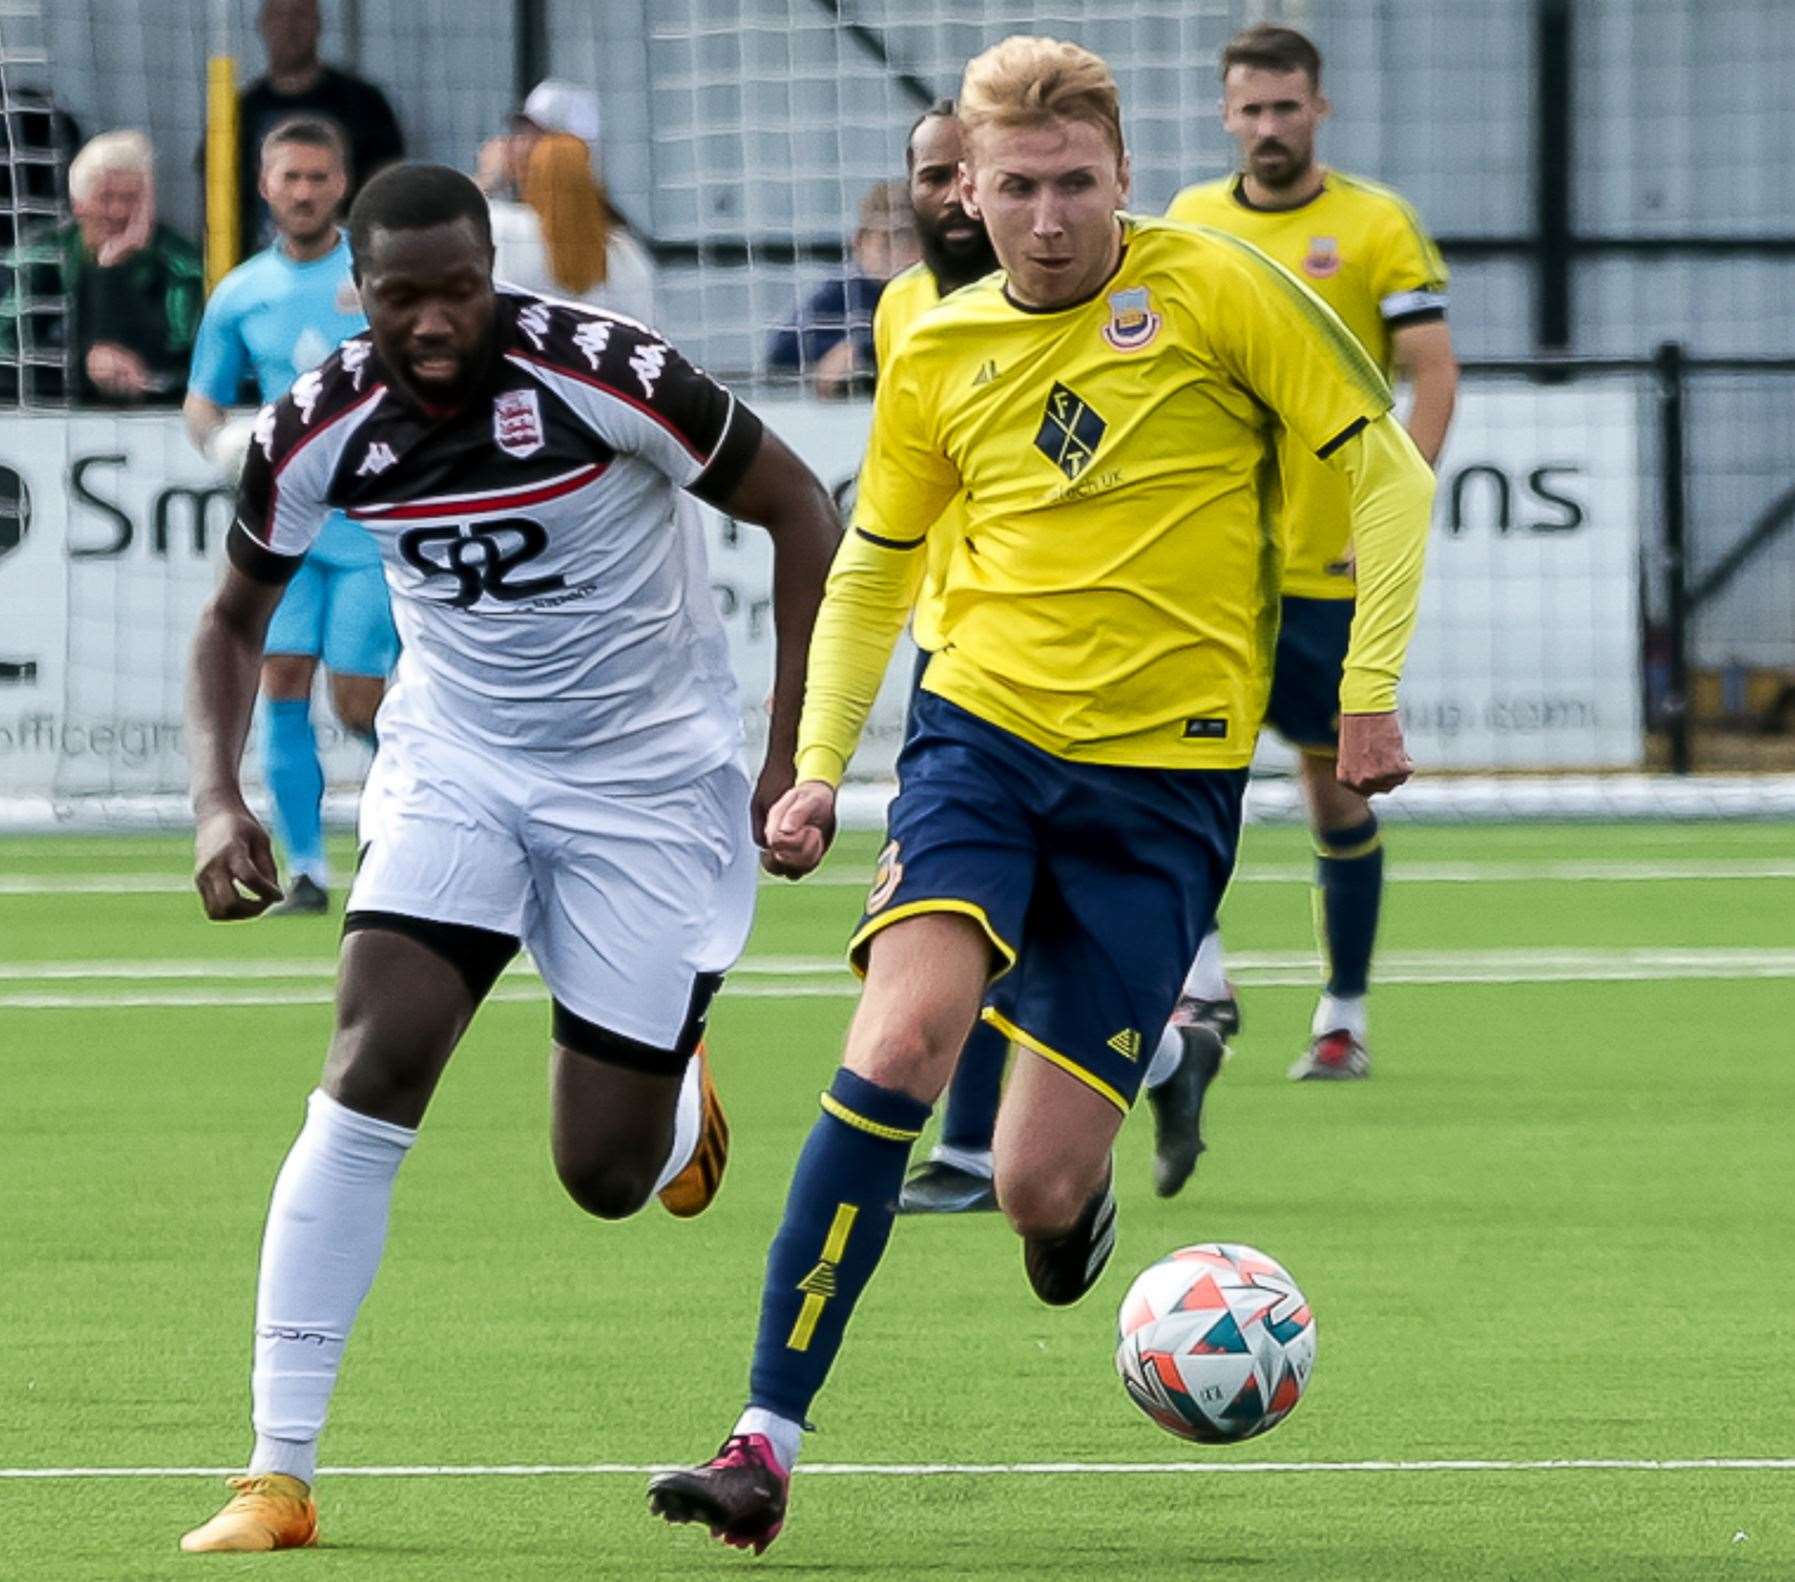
pixel 256 561
pixel 730 461
pixel 1351 431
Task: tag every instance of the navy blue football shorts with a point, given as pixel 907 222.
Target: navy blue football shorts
pixel 1305 677
pixel 1094 883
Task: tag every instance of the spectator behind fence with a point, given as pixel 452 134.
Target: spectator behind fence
pixel 832 340
pixel 297 83
pixel 554 230
pixel 130 288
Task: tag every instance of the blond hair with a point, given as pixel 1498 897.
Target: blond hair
pixel 559 185
pixel 1029 81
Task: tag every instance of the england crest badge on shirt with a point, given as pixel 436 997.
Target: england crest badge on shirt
pixel 1132 321
pixel 517 423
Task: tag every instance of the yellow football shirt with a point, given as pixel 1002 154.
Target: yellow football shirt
pixel 1362 250
pixel 1112 592
pixel 908 296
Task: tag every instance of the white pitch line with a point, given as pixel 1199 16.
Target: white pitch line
pixel 1724 870
pixel 945 1469
pixel 825 978
pixel 1425 966
pixel 149 969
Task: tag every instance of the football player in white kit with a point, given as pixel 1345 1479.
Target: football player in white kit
pixel 558 760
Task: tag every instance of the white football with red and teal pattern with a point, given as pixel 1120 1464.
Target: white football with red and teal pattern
pixel 1215 1343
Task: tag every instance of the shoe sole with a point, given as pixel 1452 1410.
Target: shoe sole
pixel 1302 1071
pixel 680 1503
pixel 983 1203
pixel 695 1188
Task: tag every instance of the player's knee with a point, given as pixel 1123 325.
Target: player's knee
pixel 608 1189
pixel 910 1057
pixel 356 703
pixel 1041 1206
pixel 356 717
pixel 379 1069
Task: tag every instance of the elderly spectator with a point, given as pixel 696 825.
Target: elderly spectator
pixel 832 340
pixel 298 84
pixel 554 230
pixel 129 288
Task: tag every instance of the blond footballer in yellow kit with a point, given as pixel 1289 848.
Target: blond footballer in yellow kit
pixel 1105 416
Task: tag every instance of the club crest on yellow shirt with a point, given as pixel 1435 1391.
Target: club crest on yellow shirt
pixel 1132 321
pixel 1322 261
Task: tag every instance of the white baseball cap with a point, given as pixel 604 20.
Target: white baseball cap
pixel 558 106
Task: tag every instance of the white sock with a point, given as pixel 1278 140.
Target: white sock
pixel 1165 1058
pixel 785 1436
pixel 326 1230
pixel 688 1121
pixel 1207 979
pixel 974 1161
pixel 1340 1014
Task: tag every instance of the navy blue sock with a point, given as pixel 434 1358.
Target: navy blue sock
pixel 296 783
pixel 1349 869
pixel 838 1217
pixel 971 1114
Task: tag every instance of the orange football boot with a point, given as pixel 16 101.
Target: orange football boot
pixel 268 1511
pixel 690 1192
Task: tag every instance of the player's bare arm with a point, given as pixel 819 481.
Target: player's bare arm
pixel 1423 353
pixel 203 418
pixel 234 863
pixel 779 493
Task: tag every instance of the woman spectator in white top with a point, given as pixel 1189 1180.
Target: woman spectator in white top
pixel 554 230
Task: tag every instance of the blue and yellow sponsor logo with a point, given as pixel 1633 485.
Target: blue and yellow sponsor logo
pixel 1071 431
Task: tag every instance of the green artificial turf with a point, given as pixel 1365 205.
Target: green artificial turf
pixel 1554 1226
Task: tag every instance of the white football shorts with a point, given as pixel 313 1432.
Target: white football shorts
pixel 624 897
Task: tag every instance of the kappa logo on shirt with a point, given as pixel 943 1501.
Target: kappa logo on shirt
pixel 348 298
pixel 305 392
pixel 355 360
pixel 517 423
pixel 380 456
pixel 592 338
pixel 534 322
pixel 647 362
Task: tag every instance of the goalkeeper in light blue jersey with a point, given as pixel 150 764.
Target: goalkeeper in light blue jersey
pixel 279 315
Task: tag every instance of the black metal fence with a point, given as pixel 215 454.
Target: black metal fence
pixel 1718 545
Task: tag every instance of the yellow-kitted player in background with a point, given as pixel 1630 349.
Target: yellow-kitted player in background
pixel 1362 249
pixel 1106 413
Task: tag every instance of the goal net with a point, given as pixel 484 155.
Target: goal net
pixel 738 141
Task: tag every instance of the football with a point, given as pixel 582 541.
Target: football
pixel 1215 1343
